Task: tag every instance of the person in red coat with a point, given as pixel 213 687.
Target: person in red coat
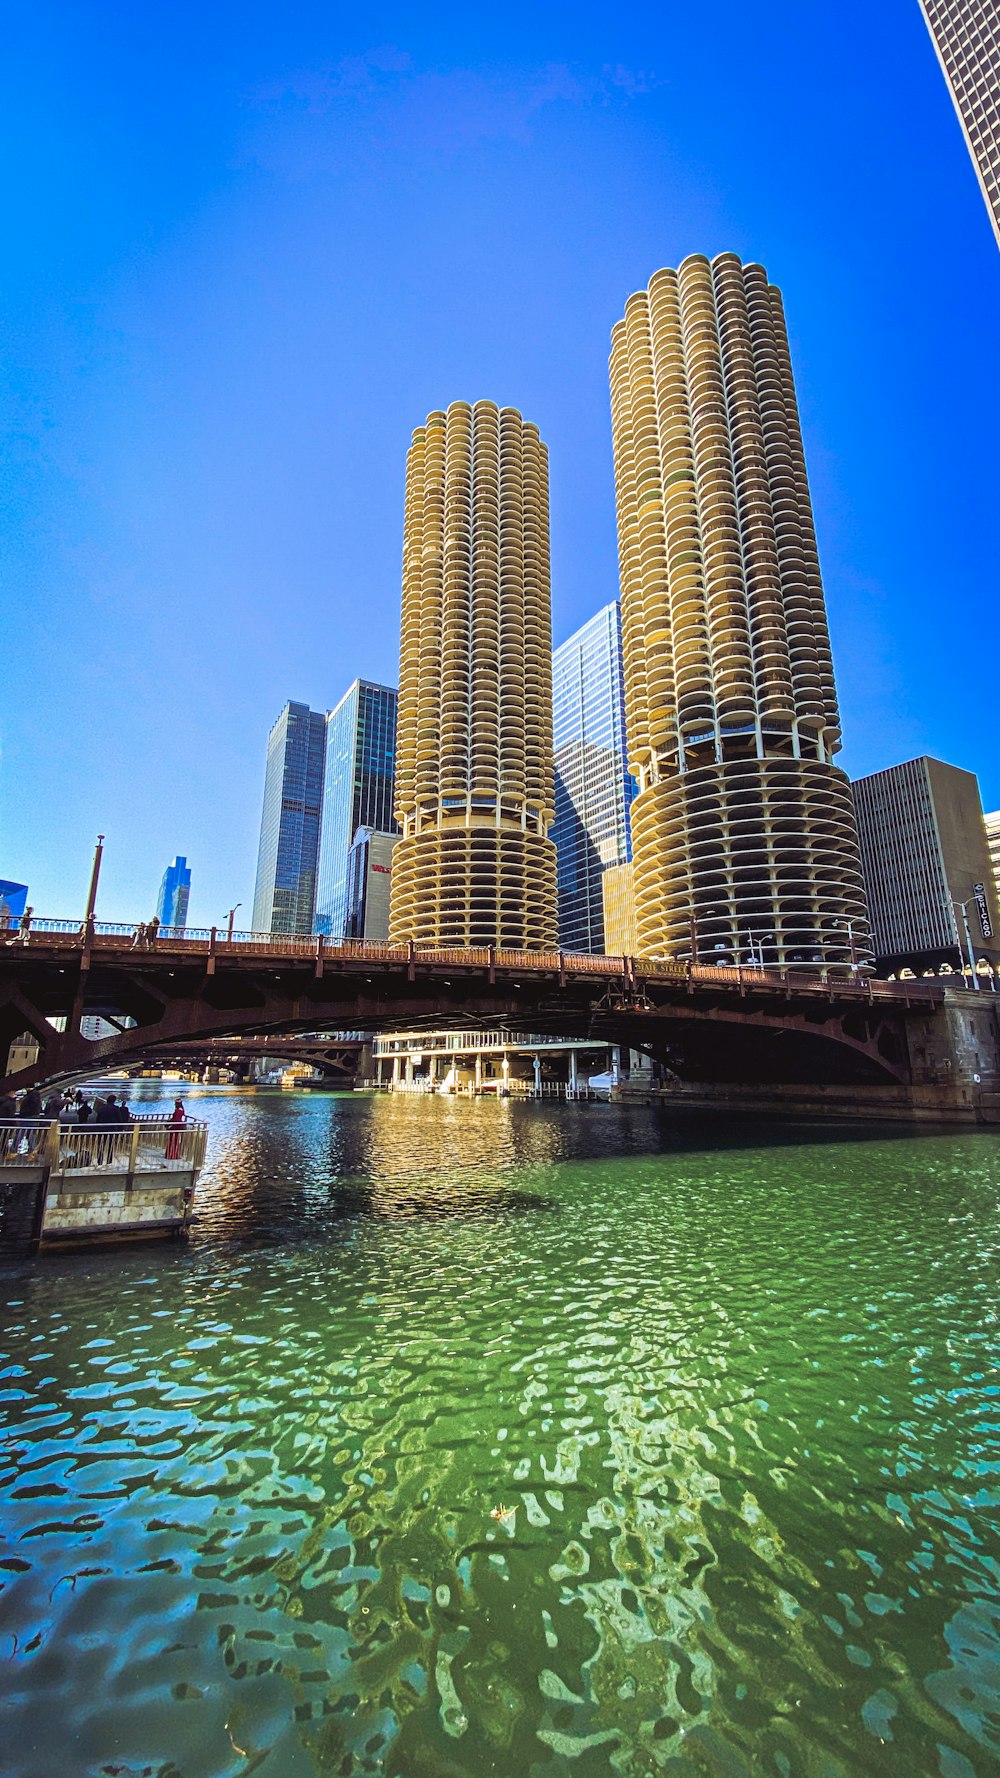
pixel 178 1116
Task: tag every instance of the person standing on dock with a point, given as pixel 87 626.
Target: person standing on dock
pixel 177 1117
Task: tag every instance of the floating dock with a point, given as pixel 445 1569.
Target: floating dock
pixel 66 1184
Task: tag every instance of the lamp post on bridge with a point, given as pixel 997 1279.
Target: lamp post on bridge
pixel 848 927
pixel 964 906
pixel 95 877
pixel 229 922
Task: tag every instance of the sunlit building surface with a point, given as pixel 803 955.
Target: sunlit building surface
pixel 966 35
pixel 474 780
pixel 357 791
pixel 175 891
pixel 369 875
pixel 504 1064
pixel 593 788
pixel 927 866
pixel 743 834
pixel 285 893
pixel 992 823
pixel 621 936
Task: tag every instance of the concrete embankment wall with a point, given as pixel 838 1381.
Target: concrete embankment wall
pixel 959 1104
pixel 106 1209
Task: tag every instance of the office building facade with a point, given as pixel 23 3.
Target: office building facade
pixel 593 788
pixel 927 868
pixel 621 934
pixel 992 824
pixel 966 35
pixel 357 791
pixel 13 901
pixel 175 892
pixel 369 875
pixel 743 835
pixel 285 892
pixel 474 776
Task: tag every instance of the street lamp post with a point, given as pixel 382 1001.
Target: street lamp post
pixel 964 905
pixel 230 917
pixel 847 925
pixel 95 877
pixel 854 948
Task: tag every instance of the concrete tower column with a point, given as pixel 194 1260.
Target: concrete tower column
pixel 742 823
pixel 474 756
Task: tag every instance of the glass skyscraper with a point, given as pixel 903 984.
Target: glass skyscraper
pixel 966 35
pixel 175 891
pixel 13 901
pixel 285 893
pixel 360 769
pixel 593 786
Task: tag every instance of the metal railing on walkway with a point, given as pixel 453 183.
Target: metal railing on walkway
pixel 148 1145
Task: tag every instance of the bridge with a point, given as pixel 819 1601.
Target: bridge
pixel 337 1058
pixel 707 1024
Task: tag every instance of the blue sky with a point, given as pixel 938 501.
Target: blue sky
pixel 247 248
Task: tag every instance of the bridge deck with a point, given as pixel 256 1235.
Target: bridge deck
pixel 194 985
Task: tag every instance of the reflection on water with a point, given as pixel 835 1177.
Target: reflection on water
pixel 736 1390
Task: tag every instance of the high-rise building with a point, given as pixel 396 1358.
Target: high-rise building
pixel 360 762
pixel 927 868
pixel 621 937
pixel 992 824
pixel 285 892
pixel 592 782
pixel 743 835
pixel 13 901
pixel 369 875
pixel 474 789
pixel 966 35
pixel 175 891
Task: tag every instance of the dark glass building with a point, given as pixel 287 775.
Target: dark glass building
pixel 369 873
pixel 285 893
pixel 593 786
pixel 360 769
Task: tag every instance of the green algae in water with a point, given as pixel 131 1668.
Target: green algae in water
pixel 735 1387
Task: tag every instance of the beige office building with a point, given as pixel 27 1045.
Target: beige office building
pixel 743 835
pixel 474 759
pixel 992 825
pixel 966 35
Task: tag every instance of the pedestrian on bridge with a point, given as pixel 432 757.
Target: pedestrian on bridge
pixel 23 928
pixel 140 936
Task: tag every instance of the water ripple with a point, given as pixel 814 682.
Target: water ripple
pixel 512 1440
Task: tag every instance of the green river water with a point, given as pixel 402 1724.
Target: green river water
pixel 736 1385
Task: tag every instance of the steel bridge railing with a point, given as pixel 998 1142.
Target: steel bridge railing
pixel 200 940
